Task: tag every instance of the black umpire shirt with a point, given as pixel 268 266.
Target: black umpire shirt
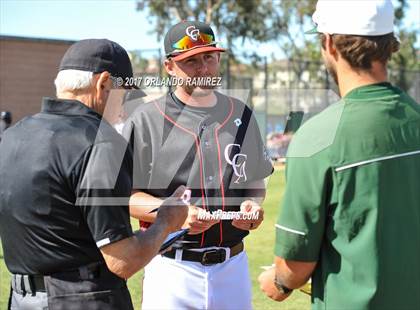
pixel 65 179
pixel 215 151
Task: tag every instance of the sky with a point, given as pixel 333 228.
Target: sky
pixel 116 20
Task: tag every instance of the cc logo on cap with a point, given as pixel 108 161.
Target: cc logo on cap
pixel 192 32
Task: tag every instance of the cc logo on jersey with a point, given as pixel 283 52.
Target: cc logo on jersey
pixel 192 32
pixel 238 162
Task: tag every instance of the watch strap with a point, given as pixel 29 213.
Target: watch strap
pixel 281 287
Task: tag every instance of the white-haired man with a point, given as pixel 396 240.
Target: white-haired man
pixel 64 252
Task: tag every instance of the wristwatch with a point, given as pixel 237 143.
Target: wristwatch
pixel 282 288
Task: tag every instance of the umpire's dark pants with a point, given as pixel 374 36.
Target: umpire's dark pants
pixel 89 287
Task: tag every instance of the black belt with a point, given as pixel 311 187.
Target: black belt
pixel 23 284
pixel 28 284
pixel 208 257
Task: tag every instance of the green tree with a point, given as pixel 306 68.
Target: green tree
pixel 281 21
pixel 406 63
pixel 236 21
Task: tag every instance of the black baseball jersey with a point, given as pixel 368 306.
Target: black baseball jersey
pixel 51 164
pixel 216 152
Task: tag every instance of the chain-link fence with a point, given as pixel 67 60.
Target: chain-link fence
pixel 276 89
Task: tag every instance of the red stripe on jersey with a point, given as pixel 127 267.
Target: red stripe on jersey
pixel 197 145
pixel 222 189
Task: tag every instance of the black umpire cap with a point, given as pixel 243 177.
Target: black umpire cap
pixel 98 55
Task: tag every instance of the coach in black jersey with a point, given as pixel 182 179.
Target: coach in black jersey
pixel 209 142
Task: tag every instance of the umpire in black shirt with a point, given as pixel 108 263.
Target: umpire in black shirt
pixel 65 182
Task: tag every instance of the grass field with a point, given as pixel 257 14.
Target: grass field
pixel 259 246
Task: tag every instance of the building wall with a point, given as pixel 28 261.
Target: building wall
pixel 28 67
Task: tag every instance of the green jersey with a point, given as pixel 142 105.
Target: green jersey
pixel 352 201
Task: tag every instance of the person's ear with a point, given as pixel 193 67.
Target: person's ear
pixel 169 67
pixel 330 46
pixel 102 86
pixel 102 81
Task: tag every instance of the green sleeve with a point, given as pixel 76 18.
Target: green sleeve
pixel 301 223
